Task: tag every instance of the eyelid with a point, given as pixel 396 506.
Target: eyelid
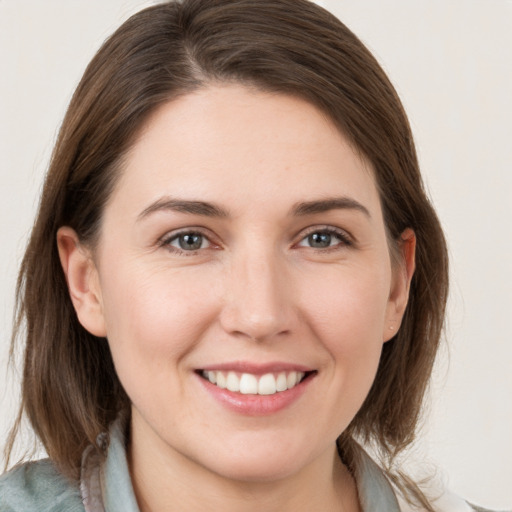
pixel 346 238
pixel 165 240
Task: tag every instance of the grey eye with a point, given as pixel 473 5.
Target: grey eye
pixel 189 241
pixel 321 240
pixel 326 238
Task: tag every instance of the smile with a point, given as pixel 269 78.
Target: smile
pixel 250 384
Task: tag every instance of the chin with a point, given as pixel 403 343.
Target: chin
pixel 258 460
pixel 257 470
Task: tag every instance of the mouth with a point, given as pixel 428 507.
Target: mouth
pixel 271 383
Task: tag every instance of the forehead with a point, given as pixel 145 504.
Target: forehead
pixel 246 147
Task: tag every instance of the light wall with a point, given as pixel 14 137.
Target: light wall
pixel 451 61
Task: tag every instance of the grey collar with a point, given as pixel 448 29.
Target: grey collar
pixel 107 486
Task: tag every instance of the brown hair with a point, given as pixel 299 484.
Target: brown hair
pixel 70 389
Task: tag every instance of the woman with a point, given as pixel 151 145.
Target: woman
pixel 235 276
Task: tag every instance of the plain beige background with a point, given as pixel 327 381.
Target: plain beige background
pixel 451 61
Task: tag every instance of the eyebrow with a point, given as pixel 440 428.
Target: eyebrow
pixel 207 209
pixel 325 205
pixel 180 205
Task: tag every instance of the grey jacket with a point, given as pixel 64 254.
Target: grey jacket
pixel 38 487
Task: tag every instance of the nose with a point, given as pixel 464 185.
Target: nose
pixel 258 301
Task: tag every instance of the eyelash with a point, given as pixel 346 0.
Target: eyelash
pixel 167 240
pixel 344 240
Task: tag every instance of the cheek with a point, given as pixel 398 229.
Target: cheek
pixel 154 320
pixel 348 317
pixel 155 317
pixel 350 309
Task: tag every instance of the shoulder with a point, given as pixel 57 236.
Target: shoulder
pixel 443 500
pixel 375 488
pixel 37 486
pixel 450 502
pixel 475 508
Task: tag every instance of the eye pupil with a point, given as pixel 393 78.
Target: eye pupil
pixel 320 239
pixel 190 242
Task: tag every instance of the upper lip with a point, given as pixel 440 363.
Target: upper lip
pixel 257 368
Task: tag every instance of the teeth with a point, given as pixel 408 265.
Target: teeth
pixel 221 380
pixel 267 385
pixel 249 384
pixel 233 382
pixel 291 380
pixel 281 382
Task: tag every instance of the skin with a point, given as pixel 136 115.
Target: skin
pixel 256 290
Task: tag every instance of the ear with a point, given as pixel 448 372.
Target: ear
pixel 83 281
pixel 402 275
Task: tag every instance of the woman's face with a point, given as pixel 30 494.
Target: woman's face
pixel 244 244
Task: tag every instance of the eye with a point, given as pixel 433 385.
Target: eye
pixel 325 238
pixel 187 241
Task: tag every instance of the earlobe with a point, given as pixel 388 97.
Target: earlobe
pixel 402 276
pixel 82 279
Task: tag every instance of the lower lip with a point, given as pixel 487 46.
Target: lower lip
pixel 256 405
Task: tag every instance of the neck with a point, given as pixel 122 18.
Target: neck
pixel 165 480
